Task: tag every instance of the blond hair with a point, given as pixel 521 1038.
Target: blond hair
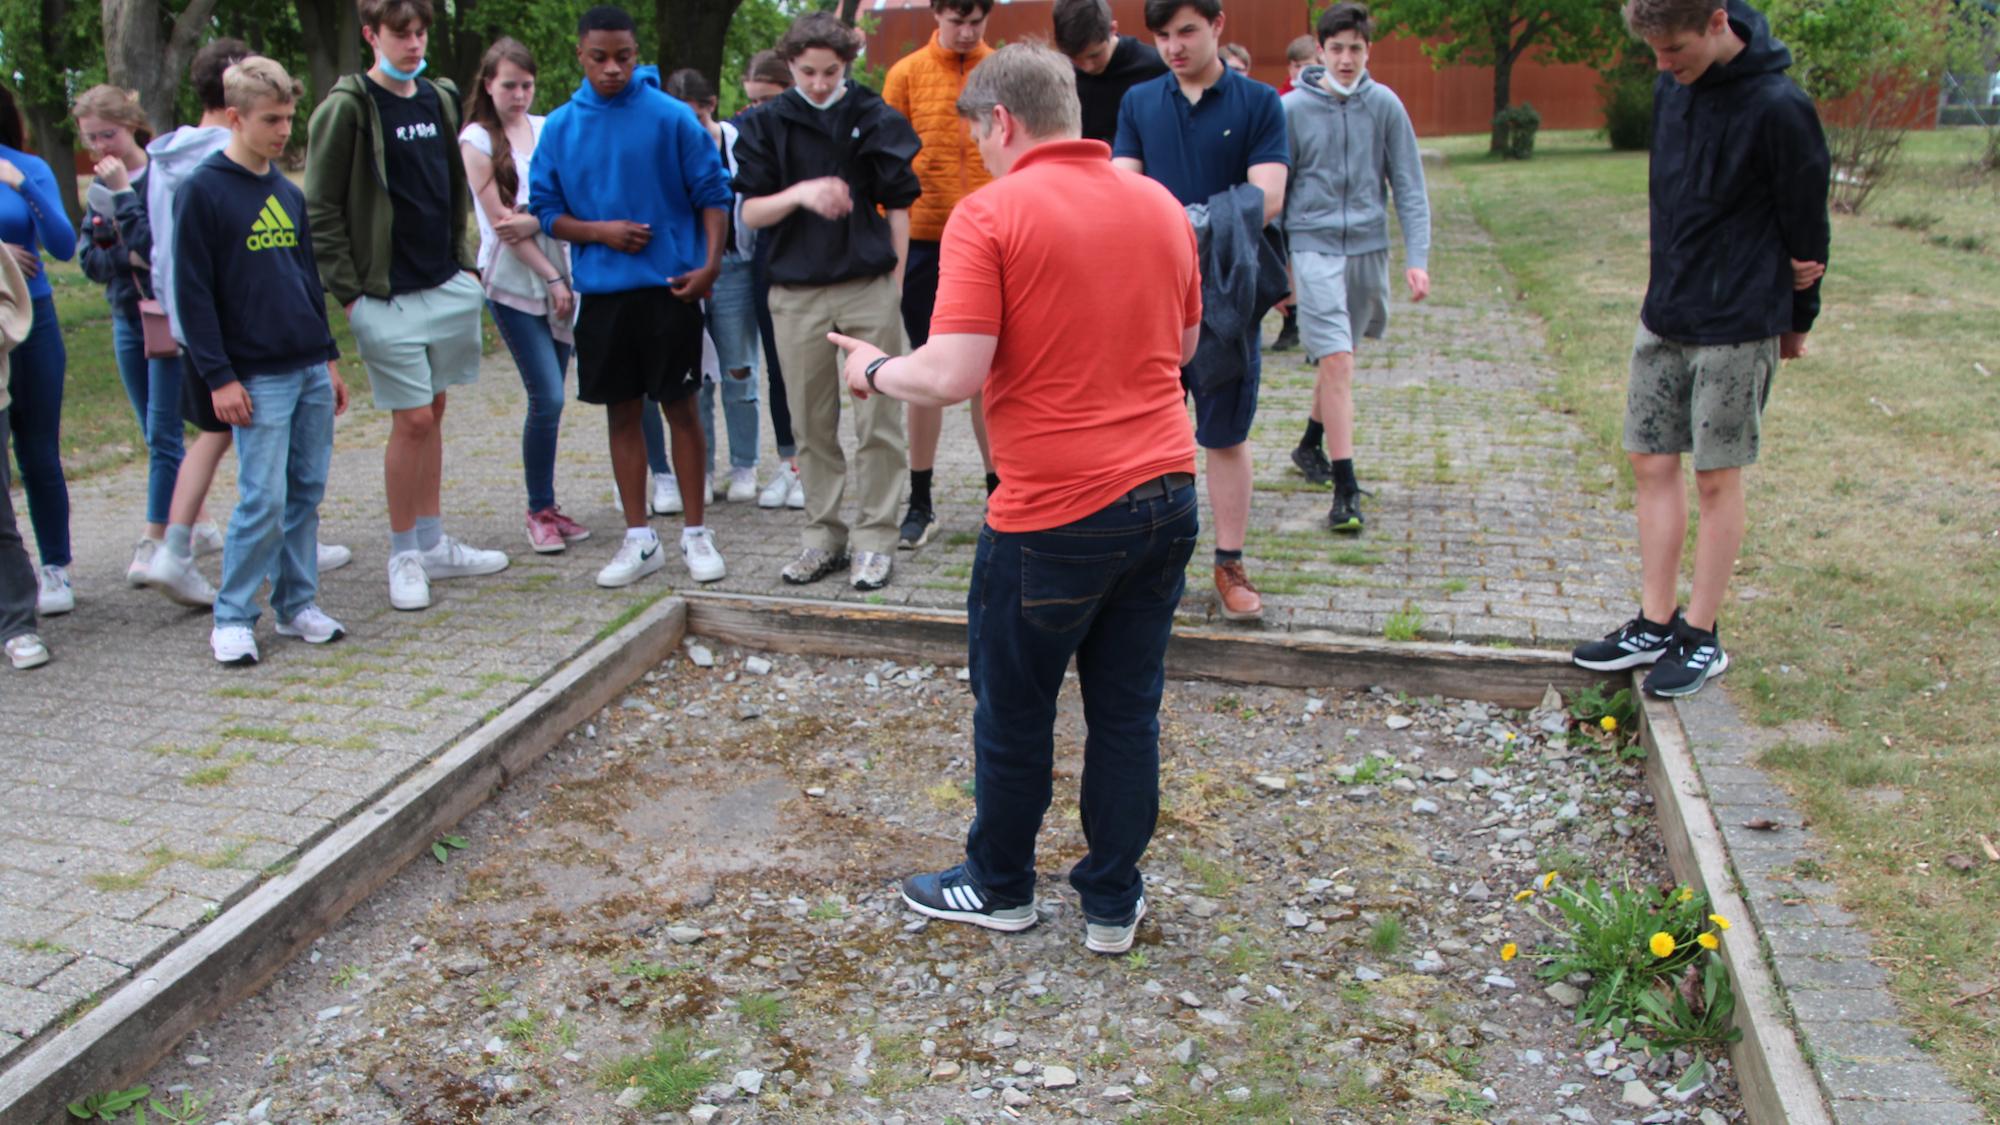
pixel 1037 86
pixel 257 79
pixel 116 105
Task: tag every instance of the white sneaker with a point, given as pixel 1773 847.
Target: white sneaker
pixel 27 651
pixel 312 626
pixel 704 562
pixel 708 497
pixel 774 494
pixel 142 558
pixel 56 597
pixel 452 559
pixel 409 586
pixel 636 558
pixel 333 556
pixel 178 579
pixel 742 485
pixel 666 494
pixel 206 539
pixel 233 644
pixel 796 497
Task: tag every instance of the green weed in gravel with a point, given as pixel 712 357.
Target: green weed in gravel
pixel 670 1070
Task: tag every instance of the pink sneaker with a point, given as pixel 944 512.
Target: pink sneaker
pixel 572 531
pixel 544 533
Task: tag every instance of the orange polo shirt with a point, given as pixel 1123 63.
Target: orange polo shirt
pixel 1087 274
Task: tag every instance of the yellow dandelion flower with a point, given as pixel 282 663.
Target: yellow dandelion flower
pixel 1508 951
pixel 1707 940
pixel 1721 923
pixel 1687 893
pixel 1524 895
pixel 1662 944
pixel 1548 880
pixel 1511 736
pixel 1608 722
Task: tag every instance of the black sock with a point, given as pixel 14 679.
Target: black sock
pixel 1343 476
pixel 1314 433
pixel 1664 628
pixel 1224 558
pixel 920 488
pixel 992 482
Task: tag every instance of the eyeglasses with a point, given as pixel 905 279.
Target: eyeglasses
pixel 102 136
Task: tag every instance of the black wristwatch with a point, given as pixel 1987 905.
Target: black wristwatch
pixel 874 365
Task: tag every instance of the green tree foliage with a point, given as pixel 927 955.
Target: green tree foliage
pixel 50 51
pixel 1497 33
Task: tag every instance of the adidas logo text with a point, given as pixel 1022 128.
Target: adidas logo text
pixel 273 228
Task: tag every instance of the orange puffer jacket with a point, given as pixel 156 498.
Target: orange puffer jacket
pixel 924 87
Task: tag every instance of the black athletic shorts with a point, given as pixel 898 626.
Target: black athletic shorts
pixel 197 407
pixel 641 343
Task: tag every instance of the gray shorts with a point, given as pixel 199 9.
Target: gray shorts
pixel 1707 399
pixel 1341 298
pixel 418 345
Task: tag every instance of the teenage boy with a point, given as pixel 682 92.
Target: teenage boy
pixel 1106 64
pixel 1736 263
pixel 244 256
pixel 1085 551
pixel 824 169
pixel 1200 130
pixel 924 86
pixel 628 176
pixel 393 216
pixel 1352 144
pixel 1300 53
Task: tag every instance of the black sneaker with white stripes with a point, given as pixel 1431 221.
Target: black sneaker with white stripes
pixel 1636 642
pixel 954 897
pixel 1694 658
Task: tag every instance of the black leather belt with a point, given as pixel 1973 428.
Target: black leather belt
pixel 1158 487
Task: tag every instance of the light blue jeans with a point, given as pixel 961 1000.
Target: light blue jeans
pixel 541 359
pixel 154 386
pixel 282 460
pixel 732 325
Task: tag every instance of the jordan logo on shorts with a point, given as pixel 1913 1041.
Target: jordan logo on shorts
pixel 273 228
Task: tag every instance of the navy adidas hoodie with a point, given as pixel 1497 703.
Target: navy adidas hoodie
pixel 246 288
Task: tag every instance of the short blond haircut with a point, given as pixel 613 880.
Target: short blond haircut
pixel 116 105
pixel 1037 85
pixel 258 79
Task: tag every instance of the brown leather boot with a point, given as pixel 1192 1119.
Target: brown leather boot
pixel 1240 600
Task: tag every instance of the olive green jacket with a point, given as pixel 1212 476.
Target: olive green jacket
pixel 347 191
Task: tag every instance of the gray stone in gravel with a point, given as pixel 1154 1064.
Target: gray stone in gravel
pixel 1203 907
pixel 1710 1117
pixel 701 656
pixel 749 1081
pixel 757 666
pixel 1569 996
pixel 1003 1039
pixel 630 1097
pixel 945 1069
pixel 1364 973
pixel 1117 1095
pixel 684 935
pixel 1014 1097
pixel 1297 919
pixel 1639 1094
pixel 1190 999
pixel 1272 783
pixel 1183 1052
pixel 466 966
pixel 702 1113
pixel 1238 1094
pixel 1399 722
pixel 1478 892
pixel 1058 1077
pixel 325 1014
pixel 1430 964
pixel 1424 806
pixel 1362 793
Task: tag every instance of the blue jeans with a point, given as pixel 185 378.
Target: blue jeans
pixel 154 386
pixel 282 459
pixel 542 362
pixel 1102 589
pixel 35 379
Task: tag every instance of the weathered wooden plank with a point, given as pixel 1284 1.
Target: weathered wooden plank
pixel 1510 677
pixel 1777 1085
pixel 232 957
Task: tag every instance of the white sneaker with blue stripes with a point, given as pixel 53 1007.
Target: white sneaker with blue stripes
pixel 953 896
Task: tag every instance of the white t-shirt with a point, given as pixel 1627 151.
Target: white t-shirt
pixel 475 135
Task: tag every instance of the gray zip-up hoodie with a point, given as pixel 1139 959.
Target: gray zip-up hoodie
pixel 1345 152
pixel 174 158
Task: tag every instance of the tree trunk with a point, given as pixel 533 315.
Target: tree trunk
pixel 457 42
pixel 332 41
pixel 1503 82
pixel 692 34
pixel 143 53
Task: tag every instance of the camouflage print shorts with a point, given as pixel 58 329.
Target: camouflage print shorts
pixel 1707 399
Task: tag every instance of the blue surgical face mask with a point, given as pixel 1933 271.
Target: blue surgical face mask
pixel 389 69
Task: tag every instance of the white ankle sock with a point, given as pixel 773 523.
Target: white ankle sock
pixel 642 534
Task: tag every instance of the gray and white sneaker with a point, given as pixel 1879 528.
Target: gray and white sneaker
pixel 704 562
pixel 177 578
pixel 452 559
pixel 1106 937
pixel 813 564
pixel 206 539
pixel 27 651
pixel 233 644
pixel 951 895
pixel 56 597
pixel 409 586
pixel 142 558
pixel 666 495
pixel 871 570
pixel 333 556
pixel 636 558
pixel 312 626
pixel 742 485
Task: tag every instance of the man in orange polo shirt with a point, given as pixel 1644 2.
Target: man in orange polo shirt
pixel 924 86
pixel 1088 537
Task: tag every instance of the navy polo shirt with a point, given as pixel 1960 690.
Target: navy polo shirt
pixel 1198 151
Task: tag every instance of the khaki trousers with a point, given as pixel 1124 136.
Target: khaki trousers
pixel 867 309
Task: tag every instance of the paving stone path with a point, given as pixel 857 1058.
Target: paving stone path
pixel 147 788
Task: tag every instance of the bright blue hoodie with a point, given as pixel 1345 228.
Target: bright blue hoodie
pixel 642 157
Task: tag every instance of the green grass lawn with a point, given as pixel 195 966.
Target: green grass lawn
pixel 1865 619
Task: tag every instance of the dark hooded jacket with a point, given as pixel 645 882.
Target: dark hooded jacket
pixel 1738 189
pixel 860 139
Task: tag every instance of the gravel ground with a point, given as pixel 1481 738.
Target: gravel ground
pixel 688 912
